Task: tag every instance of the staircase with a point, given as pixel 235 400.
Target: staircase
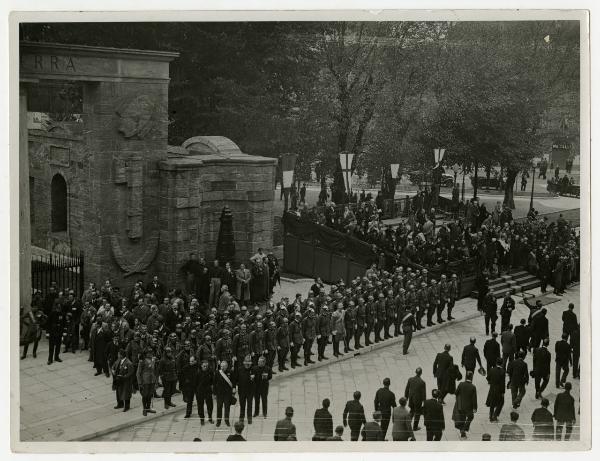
pixel 516 281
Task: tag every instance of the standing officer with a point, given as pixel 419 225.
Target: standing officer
pixel 491 351
pixel 409 324
pixel 442 365
pixel 416 393
pixel 360 316
pixel 204 391
pixel 385 400
pixel 433 417
pixel 433 294
pixel 541 367
pixel 188 384
pixel 283 344
pixel 562 351
pixel 496 378
pixel 470 356
pixel 452 295
pixel 354 416
pixel 444 297
pixel 241 346
pixel 423 301
pixel 400 309
pixel 370 313
pixel 223 388
pixel 55 328
pixel 309 332
pixel 271 344
pixel 349 324
pixel 380 312
pixel 262 376
pixel 390 313
pixel 296 339
pixel 323 331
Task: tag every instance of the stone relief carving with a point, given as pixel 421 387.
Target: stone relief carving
pixel 143 262
pixel 138 117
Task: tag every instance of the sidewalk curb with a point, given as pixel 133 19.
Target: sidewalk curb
pixel 292 372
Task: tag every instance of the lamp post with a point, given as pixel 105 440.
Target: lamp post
pixel 288 163
pixel 532 187
pixel 346 164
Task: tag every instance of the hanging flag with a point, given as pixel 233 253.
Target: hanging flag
pixel 438 156
pixel 395 167
pixel 346 164
pixel 288 163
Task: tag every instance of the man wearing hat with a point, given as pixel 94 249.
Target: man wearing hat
pixel 283 344
pixel 168 372
pixel 380 312
pixel 296 338
pixel 257 342
pixel 409 325
pixel 147 379
pixel 360 318
pixel 309 333
pixel 423 302
pixel 323 332
pixel 370 313
pixel 285 428
pixel 452 294
pixel 349 325
pixel 241 346
pixel 224 348
pixel 270 343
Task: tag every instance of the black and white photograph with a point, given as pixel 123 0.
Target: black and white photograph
pixel 338 227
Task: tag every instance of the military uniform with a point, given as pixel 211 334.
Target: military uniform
pixel 360 314
pixel 296 340
pixel 370 320
pixel 283 345
pixel 381 317
pixel 323 332
pixel 309 331
pixel 409 324
pixel 349 325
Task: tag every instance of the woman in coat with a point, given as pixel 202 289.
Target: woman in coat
pixel 123 371
pixel 147 377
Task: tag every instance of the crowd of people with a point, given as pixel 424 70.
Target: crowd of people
pixel 221 339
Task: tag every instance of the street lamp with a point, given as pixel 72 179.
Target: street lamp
pixel 532 187
pixel 346 164
pixel 288 163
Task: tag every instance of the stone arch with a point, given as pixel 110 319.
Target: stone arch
pixel 58 204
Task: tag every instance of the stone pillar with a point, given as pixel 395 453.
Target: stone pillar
pixel 24 217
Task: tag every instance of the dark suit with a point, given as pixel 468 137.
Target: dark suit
pixel 564 413
pixel 541 368
pixel 354 416
pixel 223 392
pixel 465 406
pixel 470 357
pixel 491 352
pixel 284 430
pixel 433 415
pixel 441 370
pixel 323 424
pixel 563 360
pixel 385 400
pixel 495 398
pixel 415 393
pixel 569 319
pixel 518 377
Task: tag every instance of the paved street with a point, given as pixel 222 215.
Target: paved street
pixel 365 372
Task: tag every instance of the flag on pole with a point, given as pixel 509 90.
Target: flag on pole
pixel 438 155
pixel 346 164
pixel 288 163
pixel 395 167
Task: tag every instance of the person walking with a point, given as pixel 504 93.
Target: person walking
pixel 518 378
pixel 470 356
pixel 496 378
pixel 433 417
pixel 442 367
pixel 569 319
pixel 409 325
pixel 563 359
pixel 541 367
pixel 543 422
pixel 512 432
pixel 508 341
pixel 385 400
pixel 323 422
pixel 285 429
pixel 416 394
pixel 491 352
pixel 401 423
pixel 490 309
pixel 465 405
pixel 564 412
pixel 354 416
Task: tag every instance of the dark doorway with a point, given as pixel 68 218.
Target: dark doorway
pixel 58 194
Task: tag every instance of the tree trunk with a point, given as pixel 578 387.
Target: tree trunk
pixel 511 176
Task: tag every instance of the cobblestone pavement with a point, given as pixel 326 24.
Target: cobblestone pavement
pixel 337 381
